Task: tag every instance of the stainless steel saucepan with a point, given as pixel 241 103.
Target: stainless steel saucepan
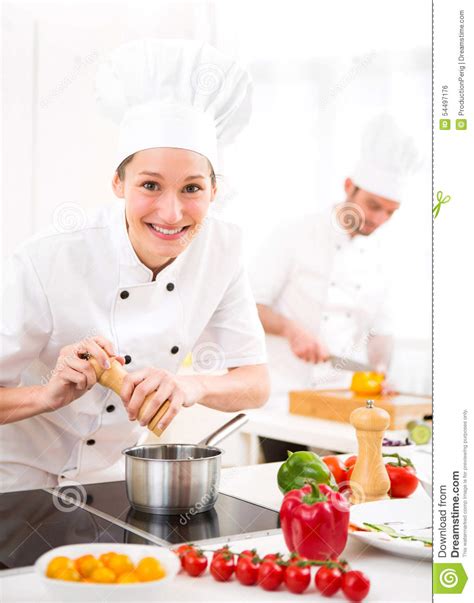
pixel 171 479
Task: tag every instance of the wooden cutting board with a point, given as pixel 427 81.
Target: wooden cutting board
pixel 337 405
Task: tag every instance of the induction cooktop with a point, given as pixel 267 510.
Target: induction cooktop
pixel 35 521
pixel 230 518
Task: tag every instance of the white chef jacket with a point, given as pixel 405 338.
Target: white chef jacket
pixel 64 286
pixel 335 286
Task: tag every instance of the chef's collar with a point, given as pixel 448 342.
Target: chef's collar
pixel 132 270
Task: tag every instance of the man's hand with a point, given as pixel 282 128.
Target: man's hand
pixel 304 345
pixel 180 391
pixel 388 388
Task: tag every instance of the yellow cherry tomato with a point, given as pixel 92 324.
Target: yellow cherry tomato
pixel 106 558
pixel 68 573
pixel 103 575
pixel 58 563
pixel 127 578
pixel 86 564
pixel 367 384
pixel 120 564
pixel 149 569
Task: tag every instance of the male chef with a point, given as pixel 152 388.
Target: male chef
pixel 320 283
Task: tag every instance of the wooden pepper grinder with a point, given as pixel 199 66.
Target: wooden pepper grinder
pixel 113 379
pixel 369 480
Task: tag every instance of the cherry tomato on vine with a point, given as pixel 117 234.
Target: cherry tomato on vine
pixel 195 563
pixel 270 575
pixel 249 553
pixel 246 570
pixel 295 558
pixel 297 578
pixel 355 585
pixel 272 557
pixel 222 567
pixel 182 550
pixel 225 550
pixel 328 580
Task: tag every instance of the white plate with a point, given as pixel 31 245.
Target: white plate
pixel 427 484
pixel 62 590
pixel 411 517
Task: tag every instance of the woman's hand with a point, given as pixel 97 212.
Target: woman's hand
pixel 304 345
pixel 180 391
pixel 72 376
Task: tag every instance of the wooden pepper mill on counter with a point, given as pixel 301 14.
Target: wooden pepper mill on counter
pixel 369 480
pixel 113 379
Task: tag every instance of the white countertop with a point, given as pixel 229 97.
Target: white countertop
pixel 258 483
pixel 393 578
pixel 280 424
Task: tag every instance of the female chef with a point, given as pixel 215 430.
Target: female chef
pixel 147 279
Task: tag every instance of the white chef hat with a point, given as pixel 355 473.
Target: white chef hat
pixel 173 93
pixel 387 158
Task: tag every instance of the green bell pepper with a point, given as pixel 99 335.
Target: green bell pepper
pixel 300 467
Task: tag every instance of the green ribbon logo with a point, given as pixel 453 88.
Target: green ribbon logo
pixel 449 578
pixel 441 201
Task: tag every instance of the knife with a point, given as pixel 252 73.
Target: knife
pixel 346 364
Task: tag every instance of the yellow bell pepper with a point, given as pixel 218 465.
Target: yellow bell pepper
pixel 367 384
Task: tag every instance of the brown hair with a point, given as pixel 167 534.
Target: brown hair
pixel 127 160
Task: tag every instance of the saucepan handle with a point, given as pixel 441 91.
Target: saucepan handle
pixel 225 430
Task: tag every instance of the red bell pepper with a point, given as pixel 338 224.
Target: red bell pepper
pixel 315 521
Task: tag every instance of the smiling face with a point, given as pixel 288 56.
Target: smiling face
pixel 375 209
pixel 167 194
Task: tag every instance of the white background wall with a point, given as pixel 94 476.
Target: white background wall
pixel 320 71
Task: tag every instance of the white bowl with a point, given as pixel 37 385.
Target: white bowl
pixel 62 590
